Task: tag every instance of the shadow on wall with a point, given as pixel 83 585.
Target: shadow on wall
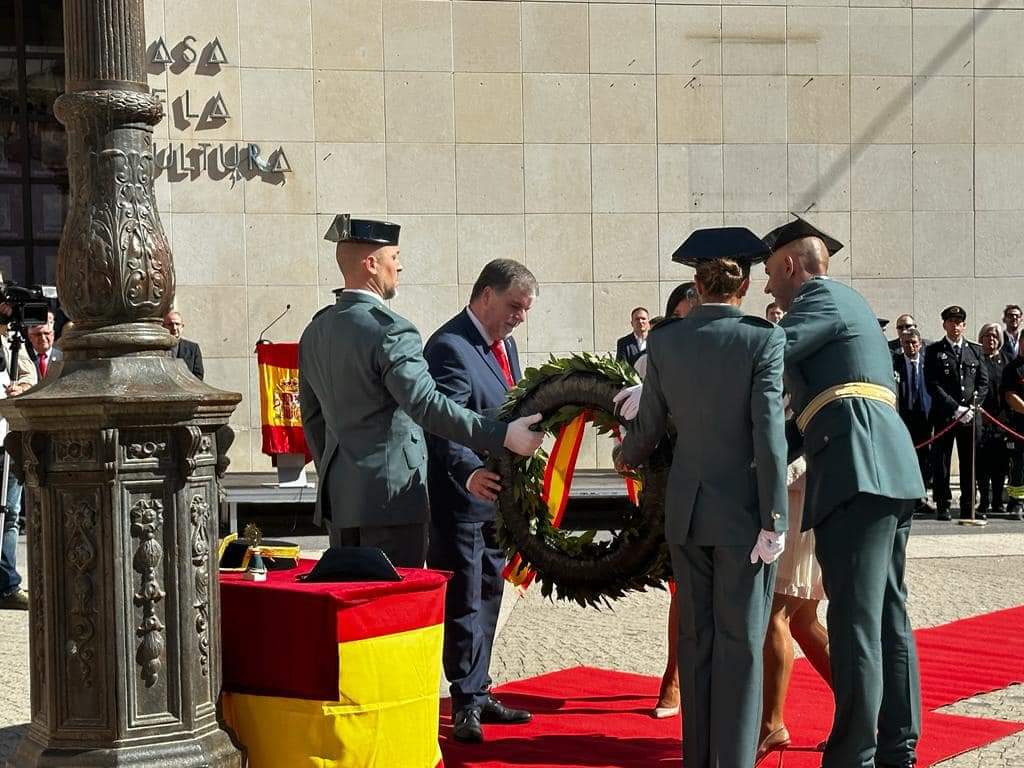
pixel 860 143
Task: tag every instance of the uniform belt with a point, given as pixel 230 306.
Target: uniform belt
pixel 861 389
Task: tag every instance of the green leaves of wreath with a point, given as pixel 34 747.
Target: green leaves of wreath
pixel 582 570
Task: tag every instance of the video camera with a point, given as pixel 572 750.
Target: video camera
pixel 29 305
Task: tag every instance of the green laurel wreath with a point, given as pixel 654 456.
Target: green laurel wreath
pixel 581 569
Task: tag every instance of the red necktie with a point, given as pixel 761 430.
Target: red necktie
pixel 498 348
pixel 42 367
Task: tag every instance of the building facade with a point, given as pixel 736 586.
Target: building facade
pixel 584 139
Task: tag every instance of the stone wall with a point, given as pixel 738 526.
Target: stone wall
pixel 587 140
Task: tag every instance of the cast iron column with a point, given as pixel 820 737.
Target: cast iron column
pixel 120 453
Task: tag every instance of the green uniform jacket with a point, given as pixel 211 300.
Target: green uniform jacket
pixel 856 445
pixel 717 374
pixel 365 391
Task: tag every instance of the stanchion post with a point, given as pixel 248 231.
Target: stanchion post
pixel 975 409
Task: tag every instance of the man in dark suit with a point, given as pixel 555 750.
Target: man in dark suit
pixel 474 360
pixel 366 397
pixel 1012 316
pixel 904 323
pixel 914 402
pixel 634 344
pixel 955 379
pixel 183 348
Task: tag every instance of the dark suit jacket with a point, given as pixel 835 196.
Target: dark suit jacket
pixel 193 357
pixel 899 369
pixel 466 371
pixel 627 349
pixel 950 385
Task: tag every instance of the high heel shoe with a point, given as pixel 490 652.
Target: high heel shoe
pixel 661 713
pixel 774 741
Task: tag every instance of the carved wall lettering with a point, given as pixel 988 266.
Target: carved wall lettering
pixel 147 519
pixel 79 527
pixel 199 515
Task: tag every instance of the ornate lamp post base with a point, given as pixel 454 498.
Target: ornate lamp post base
pixel 121 459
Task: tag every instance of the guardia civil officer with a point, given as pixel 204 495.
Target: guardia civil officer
pixel 365 393
pixel 726 504
pixel 862 484
pixel 956 379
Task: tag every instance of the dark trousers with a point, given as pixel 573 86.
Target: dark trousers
pixel 10 579
pixel 862 550
pixel 964 436
pixel 405 545
pixel 1015 453
pixel 724 604
pixel 993 462
pixel 920 430
pixel 470 551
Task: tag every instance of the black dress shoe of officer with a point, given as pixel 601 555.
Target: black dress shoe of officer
pixel 467 726
pixel 942 514
pixel 904 764
pixel 493 711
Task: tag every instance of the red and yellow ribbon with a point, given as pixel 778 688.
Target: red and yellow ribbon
pixel 558 473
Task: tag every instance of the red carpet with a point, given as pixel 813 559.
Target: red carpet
pixel 595 718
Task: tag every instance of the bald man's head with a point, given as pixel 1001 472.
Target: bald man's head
pixel 811 254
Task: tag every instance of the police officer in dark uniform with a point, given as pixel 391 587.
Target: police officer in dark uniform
pixel 956 380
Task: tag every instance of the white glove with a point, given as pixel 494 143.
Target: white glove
pixel 768 548
pixel 521 439
pixel 628 401
pixel 964 415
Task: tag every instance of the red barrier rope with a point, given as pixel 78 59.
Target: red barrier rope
pixel 936 436
pixel 1000 424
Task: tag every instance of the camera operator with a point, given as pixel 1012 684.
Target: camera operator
pixel 12 596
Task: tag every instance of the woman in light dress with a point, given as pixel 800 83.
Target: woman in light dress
pixel 798 590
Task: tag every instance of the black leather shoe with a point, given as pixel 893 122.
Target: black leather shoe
pixel 942 514
pixel 493 711
pixel 904 764
pixel 467 726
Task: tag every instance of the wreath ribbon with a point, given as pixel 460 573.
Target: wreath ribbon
pixel 558 474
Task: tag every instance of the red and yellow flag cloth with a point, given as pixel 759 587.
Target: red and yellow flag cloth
pixel 340 675
pixel 280 416
pixel 558 474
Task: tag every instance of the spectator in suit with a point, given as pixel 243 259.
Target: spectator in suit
pixel 41 347
pixel 914 403
pixel 474 360
pixel 955 379
pixel 1011 337
pixel 183 348
pixel 904 323
pixel 12 596
pixel 1013 399
pixel 992 460
pixel 634 344
pixel 773 313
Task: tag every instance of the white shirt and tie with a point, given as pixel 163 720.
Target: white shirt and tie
pixel 914 383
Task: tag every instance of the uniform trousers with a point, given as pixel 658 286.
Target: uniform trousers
pixel 861 547
pixel 724 605
pixel 405 545
pixel 964 436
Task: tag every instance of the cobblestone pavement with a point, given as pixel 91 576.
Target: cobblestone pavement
pixel 539 636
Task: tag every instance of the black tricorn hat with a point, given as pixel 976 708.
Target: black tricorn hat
pixel 797 229
pixel 345 229
pixel 882 322
pixel 705 245
pixel 352 564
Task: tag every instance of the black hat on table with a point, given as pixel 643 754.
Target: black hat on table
pixel 954 312
pixel 796 230
pixel 705 245
pixel 882 322
pixel 345 229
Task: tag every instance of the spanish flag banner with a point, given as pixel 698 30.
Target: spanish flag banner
pixel 558 475
pixel 280 416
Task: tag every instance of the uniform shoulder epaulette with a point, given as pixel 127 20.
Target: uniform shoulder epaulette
pixel 383 315
pixel 758 321
pixel 665 322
